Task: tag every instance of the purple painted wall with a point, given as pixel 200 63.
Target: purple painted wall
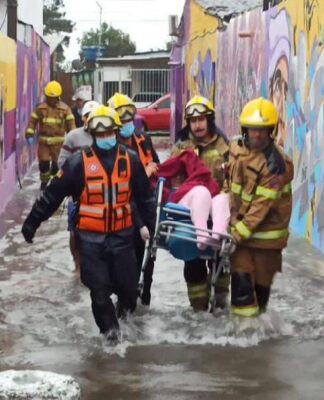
pixel 32 73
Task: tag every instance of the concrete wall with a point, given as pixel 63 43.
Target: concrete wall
pixel 278 54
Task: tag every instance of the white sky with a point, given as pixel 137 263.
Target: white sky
pixel 146 21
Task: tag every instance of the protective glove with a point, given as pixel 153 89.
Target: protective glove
pixel 30 140
pixel 28 232
pixel 145 234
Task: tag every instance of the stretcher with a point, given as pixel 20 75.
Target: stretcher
pixel 175 233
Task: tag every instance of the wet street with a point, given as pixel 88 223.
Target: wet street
pixel 167 352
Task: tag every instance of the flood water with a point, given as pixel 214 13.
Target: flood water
pixel 167 352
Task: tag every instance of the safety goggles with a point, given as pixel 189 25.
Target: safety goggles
pixel 126 112
pixel 195 110
pixel 100 124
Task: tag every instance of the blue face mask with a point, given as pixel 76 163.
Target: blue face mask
pixel 127 130
pixel 106 143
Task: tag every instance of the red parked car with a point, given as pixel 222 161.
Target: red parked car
pixel 156 116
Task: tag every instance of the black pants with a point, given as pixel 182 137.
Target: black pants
pixel 108 265
pixel 196 271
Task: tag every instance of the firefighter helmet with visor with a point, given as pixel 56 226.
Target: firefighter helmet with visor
pixel 198 106
pixel 103 118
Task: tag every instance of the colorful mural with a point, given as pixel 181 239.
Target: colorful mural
pixel 240 68
pixel 278 54
pixel 24 72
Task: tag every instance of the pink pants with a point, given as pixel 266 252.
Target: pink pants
pixel 202 205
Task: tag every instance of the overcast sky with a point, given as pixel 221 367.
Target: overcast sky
pixel 146 21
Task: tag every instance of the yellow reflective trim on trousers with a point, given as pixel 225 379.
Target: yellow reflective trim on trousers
pixel 271 235
pixel 243 230
pixel 196 291
pixel 236 188
pixel 247 312
pixel 69 117
pixel 35 116
pixel 287 188
pixel 30 131
pixel 52 121
pixel 268 193
pixel 51 140
pixel 45 176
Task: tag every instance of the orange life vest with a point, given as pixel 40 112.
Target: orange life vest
pixel 145 154
pixel 105 200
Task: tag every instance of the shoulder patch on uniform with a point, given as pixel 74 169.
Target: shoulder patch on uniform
pixel 275 161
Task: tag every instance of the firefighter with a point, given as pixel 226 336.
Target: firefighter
pixel 54 118
pixel 210 144
pixel 142 144
pixel 260 176
pixel 105 179
pixel 74 141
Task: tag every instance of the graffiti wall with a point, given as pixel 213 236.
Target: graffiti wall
pixel 24 72
pixel 8 98
pixel 278 54
pixel 302 96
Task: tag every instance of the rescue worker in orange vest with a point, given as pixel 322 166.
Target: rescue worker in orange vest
pixel 142 144
pixel 260 176
pixel 105 179
pixel 54 119
pixel 211 145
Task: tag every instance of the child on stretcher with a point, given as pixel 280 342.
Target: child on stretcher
pixel 189 183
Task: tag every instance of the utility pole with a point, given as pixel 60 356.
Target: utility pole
pixel 99 36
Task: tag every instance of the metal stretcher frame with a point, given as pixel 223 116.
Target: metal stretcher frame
pixel 165 228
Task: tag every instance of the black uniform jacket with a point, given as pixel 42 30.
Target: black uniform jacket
pixel 70 181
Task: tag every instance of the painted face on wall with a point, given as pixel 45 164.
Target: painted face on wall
pixel 278 94
pixel 199 127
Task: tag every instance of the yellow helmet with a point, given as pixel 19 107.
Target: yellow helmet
pixel 197 106
pixel 124 105
pixel 53 89
pixel 259 113
pixel 102 118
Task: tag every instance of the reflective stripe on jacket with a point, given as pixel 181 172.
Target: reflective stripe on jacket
pixel 105 201
pixel 53 122
pixel 261 198
pixel 144 153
